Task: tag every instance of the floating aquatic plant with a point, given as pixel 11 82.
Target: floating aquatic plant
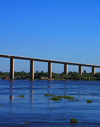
pixel 48 95
pixel 26 122
pixel 55 98
pixel 76 100
pixel 73 100
pixel 21 96
pixel 51 110
pixel 74 120
pixel 89 101
pixel 66 97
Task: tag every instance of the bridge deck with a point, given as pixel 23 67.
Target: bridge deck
pixel 46 60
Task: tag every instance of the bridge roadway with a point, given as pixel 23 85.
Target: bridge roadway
pixel 49 65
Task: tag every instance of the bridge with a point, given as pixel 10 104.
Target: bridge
pixel 49 65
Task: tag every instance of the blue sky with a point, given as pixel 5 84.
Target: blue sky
pixel 66 30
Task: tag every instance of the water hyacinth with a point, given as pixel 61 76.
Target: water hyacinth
pixel 47 95
pixel 66 97
pixel 74 120
pixel 26 122
pixel 21 96
pixel 89 101
pixel 57 98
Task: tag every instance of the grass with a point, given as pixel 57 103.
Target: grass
pixel 21 96
pixel 74 120
pixel 89 101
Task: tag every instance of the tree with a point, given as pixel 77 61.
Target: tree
pixel 84 71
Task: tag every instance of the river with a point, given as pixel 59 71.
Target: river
pixel 39 110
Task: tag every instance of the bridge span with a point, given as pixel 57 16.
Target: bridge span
pixel 49 65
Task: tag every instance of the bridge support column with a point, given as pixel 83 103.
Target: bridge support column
pixel 80 69
pixel 49 71
pixel 93 70
pixel 11 68
pixel 66 69
pixel 31 69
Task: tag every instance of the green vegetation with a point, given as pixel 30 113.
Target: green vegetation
pixel 21 96
pixel 55 76
pixel 55 98
pixel 89 101
pixel 26 122
pixel 1 105
pixel 73 100
pixel 46 95
pixel 58 98
pixel 76 100
pixel 74 120
pixel 66 97
pixel 51 110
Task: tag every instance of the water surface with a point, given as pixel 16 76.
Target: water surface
pixel 39 110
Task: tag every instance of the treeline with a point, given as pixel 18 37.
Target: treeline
pixel 55 76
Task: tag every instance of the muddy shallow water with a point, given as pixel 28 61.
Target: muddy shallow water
pixel 39 110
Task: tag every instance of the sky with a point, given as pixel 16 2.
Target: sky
pixel 65 30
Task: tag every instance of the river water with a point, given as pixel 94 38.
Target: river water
pixel 39 110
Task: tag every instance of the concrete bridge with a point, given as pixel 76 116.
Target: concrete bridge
pixel 49 65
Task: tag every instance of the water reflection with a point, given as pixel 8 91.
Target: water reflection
pixel 36 103
pixel 12 91
pixel 11 96
pixel 66 89
pixel 80 91
pixel 31 95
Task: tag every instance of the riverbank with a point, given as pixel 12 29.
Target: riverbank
pixel 55 76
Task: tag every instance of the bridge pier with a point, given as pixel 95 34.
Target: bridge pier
pixel 66 69
pixel 93 70
pixel 80 69
pixel 31 69
pixel 11 68
pixel 49 71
